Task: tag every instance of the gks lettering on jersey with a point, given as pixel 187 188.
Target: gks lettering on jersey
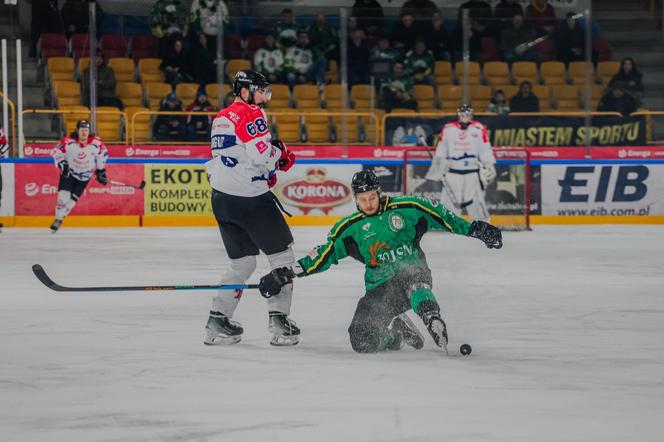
pixel 381 253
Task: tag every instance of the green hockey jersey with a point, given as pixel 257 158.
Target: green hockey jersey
pixel 386 242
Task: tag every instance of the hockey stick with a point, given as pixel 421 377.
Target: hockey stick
pixel 118 183
pixel 40 273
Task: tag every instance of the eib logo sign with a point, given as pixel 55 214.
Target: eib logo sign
pixel 396 222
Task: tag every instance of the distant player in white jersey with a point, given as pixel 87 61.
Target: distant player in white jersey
pixel 242 170
pixel 4 149
pixel 78 157
pixel 465 163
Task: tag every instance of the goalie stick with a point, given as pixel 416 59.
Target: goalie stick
pixel 40 273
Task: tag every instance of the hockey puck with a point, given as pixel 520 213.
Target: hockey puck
pixel 465 349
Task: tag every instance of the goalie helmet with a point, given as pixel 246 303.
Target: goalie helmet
pixel 464 115
pixel 252 81
pixel 364 181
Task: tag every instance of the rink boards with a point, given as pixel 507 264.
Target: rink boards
pixel 619 185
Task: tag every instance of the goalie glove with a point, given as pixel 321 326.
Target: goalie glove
pixel 438 169
pixel 487 233
pixel 487 174
pixel 271 284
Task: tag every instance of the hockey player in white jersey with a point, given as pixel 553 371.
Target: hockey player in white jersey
pixel 242 170
pixel 78 157
pixel 465 163
pixel 4 149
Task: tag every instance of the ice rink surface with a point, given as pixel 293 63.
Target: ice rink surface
pixel 566 324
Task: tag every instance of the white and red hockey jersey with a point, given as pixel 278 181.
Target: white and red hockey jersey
pixel 464 149
pixel 83 157
pixel 4 144
pixel 243 158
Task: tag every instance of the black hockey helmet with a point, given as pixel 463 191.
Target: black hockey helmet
pixel 364 181
pixel 464 115
pixel 83 124
pixel 252 81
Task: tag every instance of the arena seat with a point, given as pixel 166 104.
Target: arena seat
pixel 79 45
pixel 60 68
pixel 443 72
pixel 480 97
pixel 109 123
pixel 113 46
pixel 577 72
pixel 474 76
pixel 216 93
pixel 129 93
pixel 123 68
pixel 425 97
pixel 281 98
pixel 333 96
pixel 606 70
pixel 361 95
pixel 236 64
pixel 148 70
pixel 289 127
pixel 306 96
pixel 543 93
pixel 553 72
pixel 142 46
pixel 496 72
pixel 51 45
pixel 566 97
pixel 141 124
pixel 524 71
pixel 67 93
pixel 450 97
pixel 155 93
pixel 186 92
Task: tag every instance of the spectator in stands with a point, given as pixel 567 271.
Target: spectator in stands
pixel 358 58
pixel 303 63
pixel 525 100
pixel 176 65
pixel 170 127
pixel 198 126
pixel 352 24
pixel 381 59
pixel 514 39
pixel 570 40
pixel 504 12
pixel 473 31
pixel 76 16
pixel 324 38
pixel 541 16
pixel 498 105
pixel 45 19
pixel 631 77
pixel 204 61
pixel 481 18
pixel 405 33
pixel 420 63
pixel 286 30
pixel 397 89
pixel 105 84
pixel 616 100
pixel 269 60
pixel 437 39
pixel 204 19
pixel 170 19
pixel 369 16
pixel 421 10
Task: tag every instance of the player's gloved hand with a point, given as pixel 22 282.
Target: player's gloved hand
pixel 64 168
pixel 271 284
pixel 490 235
pixel 101 176
pixel 287 158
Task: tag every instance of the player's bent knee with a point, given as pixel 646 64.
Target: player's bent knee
pixel 282 259
pixel 362 340
pixel 241 269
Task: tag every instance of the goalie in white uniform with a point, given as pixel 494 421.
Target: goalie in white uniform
pixel 465 163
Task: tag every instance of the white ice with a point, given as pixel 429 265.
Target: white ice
pixel 566 323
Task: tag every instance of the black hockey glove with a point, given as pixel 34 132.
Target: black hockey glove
pixel 271 284
pixel 64 168
pixel 101 176
pixel 490 235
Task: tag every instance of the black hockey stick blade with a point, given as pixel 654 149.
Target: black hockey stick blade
pixel 40 273
pixel 118 183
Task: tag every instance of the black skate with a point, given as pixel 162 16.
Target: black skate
pixel 56 225
pixel 221 330
pixel 406 333
pixel 437 328
pixel 283 329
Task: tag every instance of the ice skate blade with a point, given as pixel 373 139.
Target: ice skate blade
pixel 284 341
pixel 212 338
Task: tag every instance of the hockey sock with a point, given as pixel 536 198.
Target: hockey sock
pixel 64 204
pixel 389 341
pixel 421 295
pixel 241 269
pixel 282 301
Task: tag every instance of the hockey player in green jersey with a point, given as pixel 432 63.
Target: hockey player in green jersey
pixel 384 235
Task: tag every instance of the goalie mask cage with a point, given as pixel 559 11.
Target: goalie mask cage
pixel 507 198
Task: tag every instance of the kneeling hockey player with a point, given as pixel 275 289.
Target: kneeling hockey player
pixel 385 235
